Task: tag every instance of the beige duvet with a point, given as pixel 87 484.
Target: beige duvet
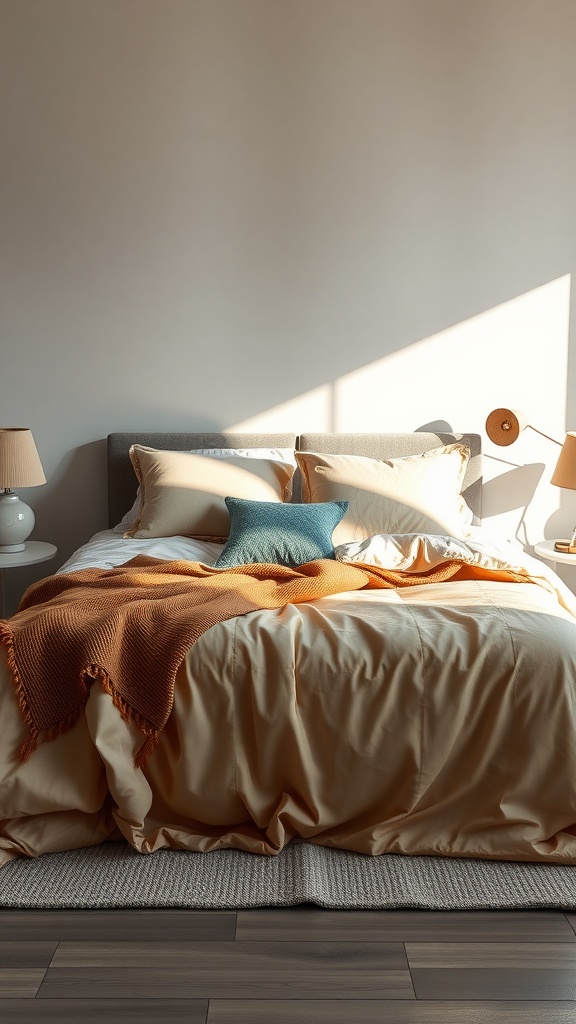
pixel 437 719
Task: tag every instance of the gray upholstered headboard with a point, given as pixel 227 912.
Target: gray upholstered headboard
pixel 122 481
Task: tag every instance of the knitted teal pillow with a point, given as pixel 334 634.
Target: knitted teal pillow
pixel 284 534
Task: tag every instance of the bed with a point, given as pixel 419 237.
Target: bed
pixel 424 704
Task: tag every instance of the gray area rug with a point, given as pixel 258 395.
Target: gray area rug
pixel 113 875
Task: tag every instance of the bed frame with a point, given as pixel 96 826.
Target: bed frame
pixel 122 481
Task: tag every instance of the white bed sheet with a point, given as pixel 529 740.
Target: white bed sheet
pixel 107 549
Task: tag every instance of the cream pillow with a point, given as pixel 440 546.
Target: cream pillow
pixel 415 494
pixel 284 455
pixel 183 493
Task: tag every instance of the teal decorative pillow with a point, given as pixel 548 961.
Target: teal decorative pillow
pixel 281 533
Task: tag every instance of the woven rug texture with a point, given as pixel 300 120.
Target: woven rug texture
pixel 114 875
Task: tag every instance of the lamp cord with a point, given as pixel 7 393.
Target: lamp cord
pixel 547 436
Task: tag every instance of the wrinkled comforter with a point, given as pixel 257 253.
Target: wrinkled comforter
pixel 434 719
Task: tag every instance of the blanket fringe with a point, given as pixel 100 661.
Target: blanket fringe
pixel 129 714
pixel 31 742
pixel 29 746
pixel 146 750
pixel 45 735
pixel 91 674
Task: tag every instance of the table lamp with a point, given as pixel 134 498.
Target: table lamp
pixel 20 466
pixel 503 427
pixel 565 476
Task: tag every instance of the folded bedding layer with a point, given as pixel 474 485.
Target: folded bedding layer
pixel 431 719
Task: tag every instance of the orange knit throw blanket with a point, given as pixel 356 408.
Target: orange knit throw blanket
pixel 129 628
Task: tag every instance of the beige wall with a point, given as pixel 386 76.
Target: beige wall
pixel 295 212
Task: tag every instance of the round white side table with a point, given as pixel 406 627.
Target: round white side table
pixel 35 551
pixel 545 549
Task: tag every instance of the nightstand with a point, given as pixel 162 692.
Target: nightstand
pixel 35 551
pixel 545 549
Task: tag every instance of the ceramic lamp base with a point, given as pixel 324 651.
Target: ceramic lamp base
pixel 16 523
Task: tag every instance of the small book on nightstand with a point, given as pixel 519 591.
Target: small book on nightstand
pixel 568 547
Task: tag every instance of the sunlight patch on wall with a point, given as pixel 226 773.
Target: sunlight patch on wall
pixel 513 355
pixel 313 410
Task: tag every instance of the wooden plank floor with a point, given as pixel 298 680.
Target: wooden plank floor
pixel 300 965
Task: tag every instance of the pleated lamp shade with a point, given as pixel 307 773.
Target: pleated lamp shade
pixel 565 473
pixel 20 464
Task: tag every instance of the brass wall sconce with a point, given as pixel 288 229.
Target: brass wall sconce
pixel 504 426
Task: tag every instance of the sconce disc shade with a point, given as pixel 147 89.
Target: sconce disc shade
pixel 503 426
pixel 20 464
pixel 565 473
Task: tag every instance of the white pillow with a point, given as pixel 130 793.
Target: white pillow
pixel 414 494
pixel 282 455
